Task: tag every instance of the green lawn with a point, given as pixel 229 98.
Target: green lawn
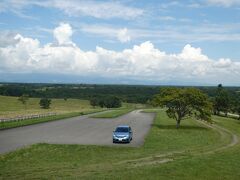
pixel 11 107
pixel 113 113
pixel 164 143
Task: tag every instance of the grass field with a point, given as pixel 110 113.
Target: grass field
pixel 113 113
pixel 168 153
pixel 11 107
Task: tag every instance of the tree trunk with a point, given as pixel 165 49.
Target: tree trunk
pixel 178 123
pixel 226 114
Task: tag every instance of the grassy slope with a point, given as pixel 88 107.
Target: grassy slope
pixel 91 162
pixel 10 106
pixel 113 113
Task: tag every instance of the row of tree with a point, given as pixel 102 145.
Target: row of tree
pixel 108 102
pixel 127 93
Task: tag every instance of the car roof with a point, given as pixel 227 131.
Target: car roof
pixel 123 126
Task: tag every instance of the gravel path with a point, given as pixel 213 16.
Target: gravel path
pixel 77 130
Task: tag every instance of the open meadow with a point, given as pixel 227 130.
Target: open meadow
pixel 11 106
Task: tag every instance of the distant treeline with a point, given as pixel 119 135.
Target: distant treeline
pixel 108 102
pixel 126 93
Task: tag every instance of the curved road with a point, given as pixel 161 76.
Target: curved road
pixel 77 130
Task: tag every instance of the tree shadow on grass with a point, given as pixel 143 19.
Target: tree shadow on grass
pixel 181 127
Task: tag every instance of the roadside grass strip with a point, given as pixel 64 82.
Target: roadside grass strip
pixel 26 122
pixel 113 113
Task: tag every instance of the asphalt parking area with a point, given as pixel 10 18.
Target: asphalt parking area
pixel 77 130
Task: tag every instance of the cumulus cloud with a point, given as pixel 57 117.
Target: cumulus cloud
pixel 63 34
pixel 7 38
pixel 143 62
pixel 123 35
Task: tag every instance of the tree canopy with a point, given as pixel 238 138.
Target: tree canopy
pixel 45 103
pixel 184 102
pixel 108 102
pixel 221 101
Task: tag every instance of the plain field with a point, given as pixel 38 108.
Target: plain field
pixel 11 106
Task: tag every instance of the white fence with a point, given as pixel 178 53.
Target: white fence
pixel 31 116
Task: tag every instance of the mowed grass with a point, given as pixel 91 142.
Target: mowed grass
pixel 11 107
pixel 221 165
pixel 113 113
pixel 45 161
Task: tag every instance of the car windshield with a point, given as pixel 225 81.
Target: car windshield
pixel 121 129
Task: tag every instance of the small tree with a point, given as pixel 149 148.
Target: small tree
pixel 94 102
pixel 45 103
pixel 183 103
pixel 23 99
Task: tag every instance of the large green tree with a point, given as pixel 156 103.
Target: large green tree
pixel 182 103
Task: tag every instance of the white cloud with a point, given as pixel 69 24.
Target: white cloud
pixel 172 33
pixel 7 38
pixel 226 3
pixel 123 35
pixel 97 9
pixel 143 62
pixel 223 63
pixel 193 54
pixel 167 18
pixel 63 34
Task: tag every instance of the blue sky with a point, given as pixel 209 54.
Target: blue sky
pixel 144 42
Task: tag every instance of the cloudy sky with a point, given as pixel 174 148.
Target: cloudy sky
pixel 192 42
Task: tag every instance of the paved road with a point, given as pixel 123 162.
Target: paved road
pixel 77 130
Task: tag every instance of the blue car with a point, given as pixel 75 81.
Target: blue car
pixel 122 133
